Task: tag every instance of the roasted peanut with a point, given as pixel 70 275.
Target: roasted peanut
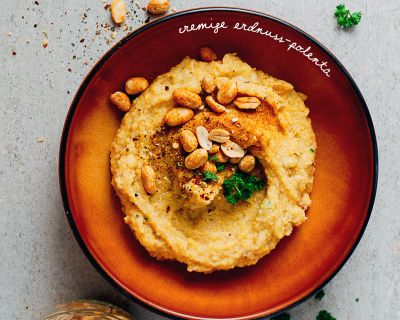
pixel 214 149
pixel 149 179
pixel 209 166
pixel 188 140
pixel 227 93
pixel 219 135
pixel 187 98
pixel 221 81
pixel 207 54
pixel 232 149
pixel 158 6
pixel 221 157
pixel 136 85
pixel 247 103
pixel 118 11
pixel 196 159
pixel 214 105
pixel 247 163
pixel 121 101
pixel 178 116
pixel 208 83
pixel 202 137
pixel 302 96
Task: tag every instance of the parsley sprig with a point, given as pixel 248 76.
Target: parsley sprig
pixel 209 176
pixel 325 315
pixel 345 18
pixel 320 295
pixel 214 158
pixel 220 166
pixel 241 186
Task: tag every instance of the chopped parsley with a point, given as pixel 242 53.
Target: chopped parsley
pixel 214 158
pixel 357 299
pixel 241 186
pixel 209 176
pixel 312 150
pixel 324 315
pixel 320 295
pixel 345 18
pixel 283 316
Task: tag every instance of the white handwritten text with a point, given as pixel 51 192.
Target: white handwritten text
pixel 202 26
pixel 240 26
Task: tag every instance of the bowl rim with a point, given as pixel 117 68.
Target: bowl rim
pixel 134 296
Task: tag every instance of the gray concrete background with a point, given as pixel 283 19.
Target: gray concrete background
pixel 40 261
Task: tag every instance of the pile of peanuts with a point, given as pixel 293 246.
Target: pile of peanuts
pixel 216 142
pixel 199 146
pixel 188 100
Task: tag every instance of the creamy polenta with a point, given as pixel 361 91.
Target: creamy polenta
pixel 177 210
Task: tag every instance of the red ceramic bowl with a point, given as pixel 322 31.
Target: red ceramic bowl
pixel 345 176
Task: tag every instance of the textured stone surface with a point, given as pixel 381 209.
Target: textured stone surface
pixel 41 263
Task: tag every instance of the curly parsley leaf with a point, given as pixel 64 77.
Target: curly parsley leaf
pixel 209 176
pixel 320 295
pixel 324 315
pixel 220 166
pixel 283 316
pixel 241 186
pixel 345 18
pixel 214 158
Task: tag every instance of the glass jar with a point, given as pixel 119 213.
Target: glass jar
pixel 88 310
